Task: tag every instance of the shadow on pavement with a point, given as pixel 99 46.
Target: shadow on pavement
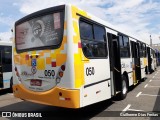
pixel 59 113
pixel 5 91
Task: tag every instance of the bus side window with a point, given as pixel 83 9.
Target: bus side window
pixel 7 59
pixel 87 49
pixel 86 30
pixel 124 46
pixel 93 39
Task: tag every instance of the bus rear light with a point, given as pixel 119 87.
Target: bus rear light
pixel 67 98
pixel 63 67
pixel 60 74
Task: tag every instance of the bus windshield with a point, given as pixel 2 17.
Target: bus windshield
pixel 40 32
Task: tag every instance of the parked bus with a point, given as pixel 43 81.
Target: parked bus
pixel 152 64
pixel 157 53
pixel 5 65
pixel 66 57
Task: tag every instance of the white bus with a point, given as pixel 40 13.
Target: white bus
pixel 66 57
pixel 152 62
pixel 5 65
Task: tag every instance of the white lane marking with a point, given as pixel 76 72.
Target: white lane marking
pixel 145 85
pixel 156 74
pixel 138 94
pixel 125 109
pixel 135 110
pixel 150 81
pixel 153 77
pixel 154 86
pixel 151 95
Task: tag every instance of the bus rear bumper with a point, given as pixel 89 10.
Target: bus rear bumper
pixel 56 97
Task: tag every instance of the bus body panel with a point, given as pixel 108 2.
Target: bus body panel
pixel 89 72
pixel 126 66
pixel 68 98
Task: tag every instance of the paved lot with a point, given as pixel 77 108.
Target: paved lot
pixel 144 97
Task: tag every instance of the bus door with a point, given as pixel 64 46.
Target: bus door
pixel 149 59
pixel 115 63
pixel 137 62
pixel 133 49
pixel 1 72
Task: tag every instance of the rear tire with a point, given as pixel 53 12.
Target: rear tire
pixel 124 88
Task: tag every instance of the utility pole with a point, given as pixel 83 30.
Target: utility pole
pixel 150 41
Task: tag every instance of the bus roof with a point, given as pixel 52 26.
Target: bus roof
pixel 6 43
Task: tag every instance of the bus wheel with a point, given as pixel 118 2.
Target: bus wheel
pixel 124 88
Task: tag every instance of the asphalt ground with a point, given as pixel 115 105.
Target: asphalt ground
pixel 143 100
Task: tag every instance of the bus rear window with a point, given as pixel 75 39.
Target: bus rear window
pixel 39 32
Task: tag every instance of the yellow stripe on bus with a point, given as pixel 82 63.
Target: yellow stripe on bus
pixel 40 64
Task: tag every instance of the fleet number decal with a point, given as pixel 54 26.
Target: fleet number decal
pixel 49 73
pixel 90 71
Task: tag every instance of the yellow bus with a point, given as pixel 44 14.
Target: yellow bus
pixel 66 57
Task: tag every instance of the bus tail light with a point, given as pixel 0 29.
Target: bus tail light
pixel 67 98
pixel 63 67
pixel 60 74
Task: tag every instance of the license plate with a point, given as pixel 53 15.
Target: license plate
pixel 36 82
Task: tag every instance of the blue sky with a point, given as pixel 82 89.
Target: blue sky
pixel 138 17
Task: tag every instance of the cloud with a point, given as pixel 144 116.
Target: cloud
pixel 30 6
pixel 133 16
pixel 7 20
pixel 5 36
